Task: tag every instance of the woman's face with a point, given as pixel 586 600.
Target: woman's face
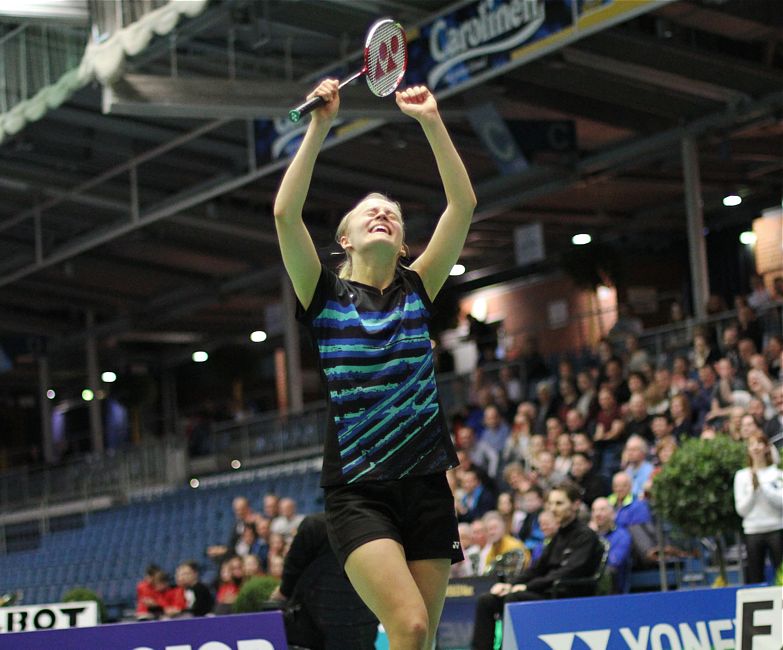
pixel 756 447
pixel 375 225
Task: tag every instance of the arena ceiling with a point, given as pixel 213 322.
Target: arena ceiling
pixel 154 218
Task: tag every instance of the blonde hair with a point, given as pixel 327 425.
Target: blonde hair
pixel 345 268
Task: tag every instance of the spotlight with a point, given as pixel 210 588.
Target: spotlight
pixel 259 336
pixel 748 238
pixel 731 200
pixel 50 394
pixel 581 239
pixel 109 377
pixel 88 395
pixel 194 483
pixel 457 269
pixel 200 356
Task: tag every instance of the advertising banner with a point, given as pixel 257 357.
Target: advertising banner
pixel 468 43
pixel 53 616
pixel 760 618
pixel 702 619
pixel 240 632
pixel 456 622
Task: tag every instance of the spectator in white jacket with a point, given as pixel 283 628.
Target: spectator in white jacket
pixel 758 498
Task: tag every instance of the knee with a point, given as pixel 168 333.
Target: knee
pixel 409 630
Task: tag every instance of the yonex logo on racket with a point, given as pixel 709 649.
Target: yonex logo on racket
pixel 387 53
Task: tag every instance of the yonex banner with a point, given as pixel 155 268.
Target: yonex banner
pixel 702 619
pixel 241 632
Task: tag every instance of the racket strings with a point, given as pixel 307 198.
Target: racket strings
pixel 386 59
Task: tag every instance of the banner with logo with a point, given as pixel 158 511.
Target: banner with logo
pixel 470 42
pixel 240 632
pixel 456 622
pixel 53 616
pixel 701 619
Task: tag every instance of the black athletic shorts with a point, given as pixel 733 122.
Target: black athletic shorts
pixel 417 511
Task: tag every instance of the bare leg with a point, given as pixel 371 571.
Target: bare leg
pixel 432 578
pixel 381 577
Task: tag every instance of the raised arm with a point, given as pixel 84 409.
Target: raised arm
pixel 446 243
pixel 299 255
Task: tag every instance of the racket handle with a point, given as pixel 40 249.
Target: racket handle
pixel 296 114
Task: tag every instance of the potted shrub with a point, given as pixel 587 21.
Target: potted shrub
pixel 81 594
pixel 694 491
pixel 254 594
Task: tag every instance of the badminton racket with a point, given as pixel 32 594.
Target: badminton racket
pixel 385 62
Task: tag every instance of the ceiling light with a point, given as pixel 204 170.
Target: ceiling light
pixel 581 239
pixel 748 237
pixel 457 269
pixel 194 483
pixel 236 464
pixel 109 377
pixel 731 200
pixel 88 395
pixel 259 336
pixel 199 356
pixel 50 394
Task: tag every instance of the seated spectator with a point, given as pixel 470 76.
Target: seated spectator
pixel 571 553
pixel 591 484
pixel 587 404
pixel 478 551
pixel 243 516
pixel 323 610
pixel 724 395
pixel 637 421
pixel 773 355
pixel 515 449
pixel 271 505
pixel 159 600
pixel 251 566
pixel 191 596
pixel 680 410
pixel 229 582
pixel 145 591
pixel 547 405
pixel 619 561
pixel 661 426
pixel 760 387
pixel 288 520
pixel 495 430
pixel 583 443
pixel 774 428
pixel 554 427
pixel 476 500
pixel 517 480
pixel 575 422
pixel 500 542
pixel 544 472
pixel 247 542
pixel 614 379
pixel 702 353
pixel 463 569
pixel 565 449
pixel 610 434
pixel 701 397
pixel 568 397
pixel 637 383
pixel 532 505
pixel 627 509
pixel 511 383
pixel 548 524
pixel 636 465
pixel 512 516
pixel 636 358
pixel 536 445
pixel 480 453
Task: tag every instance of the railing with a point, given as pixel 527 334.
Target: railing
pixel 34 56
pixel 110 17
pixel 80 480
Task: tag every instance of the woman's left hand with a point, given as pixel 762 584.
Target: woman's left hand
pixel 418 102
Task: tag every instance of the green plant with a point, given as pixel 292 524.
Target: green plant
pixel 254 594
pixel 80 594
pixel 694 491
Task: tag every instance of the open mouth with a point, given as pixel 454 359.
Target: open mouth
pixel 380 228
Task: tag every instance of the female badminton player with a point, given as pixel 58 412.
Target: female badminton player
pixel 389 509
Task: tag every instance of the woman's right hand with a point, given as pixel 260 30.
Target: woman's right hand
pixel 329 90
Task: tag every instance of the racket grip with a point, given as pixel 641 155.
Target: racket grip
pixel 296 114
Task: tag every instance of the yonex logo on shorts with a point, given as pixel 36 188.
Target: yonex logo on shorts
pixel 455 546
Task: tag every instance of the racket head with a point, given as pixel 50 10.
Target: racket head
pixel 385 56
